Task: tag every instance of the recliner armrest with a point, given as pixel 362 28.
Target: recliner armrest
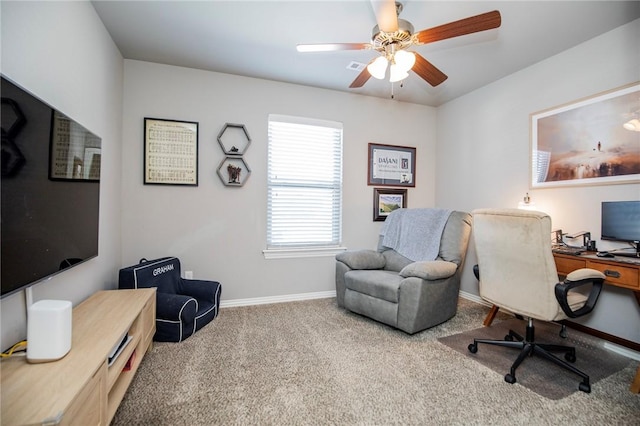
pixel 429 269
pixel 200 289
pixel 575 279
pixel 362 259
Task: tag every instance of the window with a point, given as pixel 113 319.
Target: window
pixel 304 179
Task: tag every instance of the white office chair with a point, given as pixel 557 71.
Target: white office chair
pixel 517 272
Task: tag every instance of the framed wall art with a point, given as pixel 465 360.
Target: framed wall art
pixel 386 200
pixel 391 165
pixel 593 141
pixel 170 152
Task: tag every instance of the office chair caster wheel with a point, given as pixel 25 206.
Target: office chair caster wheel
pixel 563 331
pixel 570 357
pixel 512 379
pixel 473 348
pixel 585 387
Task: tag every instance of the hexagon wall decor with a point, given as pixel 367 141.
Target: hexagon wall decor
pixel 234 139
pixel 233 171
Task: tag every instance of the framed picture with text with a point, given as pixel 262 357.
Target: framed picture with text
pixel 170 152
pixel 391 165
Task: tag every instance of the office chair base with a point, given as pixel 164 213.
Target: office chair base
pixel 528 347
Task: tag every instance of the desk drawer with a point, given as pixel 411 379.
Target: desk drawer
pixel 567 264
pixel 620 275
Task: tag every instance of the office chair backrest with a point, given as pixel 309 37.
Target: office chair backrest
pixel 517 269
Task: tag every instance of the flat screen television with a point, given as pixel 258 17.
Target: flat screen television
pixel 50 190
pixel 620 221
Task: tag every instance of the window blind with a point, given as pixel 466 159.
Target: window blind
pixel 304 179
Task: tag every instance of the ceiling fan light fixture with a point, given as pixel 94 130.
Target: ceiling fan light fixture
pixel 405 60
pixel 378 67
pixel 396 73
pixel 633 125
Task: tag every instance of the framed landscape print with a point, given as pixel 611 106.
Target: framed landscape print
pixel 387 200
pixel 593 141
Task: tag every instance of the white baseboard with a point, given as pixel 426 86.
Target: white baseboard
pixel 309 296
pixel 277 299
pixel 621 350
pixel 474 298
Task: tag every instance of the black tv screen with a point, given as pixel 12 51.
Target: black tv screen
pixel 50 190
pixel 620 221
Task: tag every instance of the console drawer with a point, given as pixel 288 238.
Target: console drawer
pixel 620 275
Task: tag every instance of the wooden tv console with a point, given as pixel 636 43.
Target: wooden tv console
pixel 82 388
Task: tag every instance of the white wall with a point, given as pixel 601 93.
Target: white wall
pixel 219 232
pixel 483 152
pixel 61 52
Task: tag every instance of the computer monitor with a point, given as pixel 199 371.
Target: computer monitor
pixel 620 221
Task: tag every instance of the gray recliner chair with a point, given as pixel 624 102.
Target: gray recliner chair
pixel 411 295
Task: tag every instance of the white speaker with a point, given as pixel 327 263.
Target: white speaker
pixel 48 330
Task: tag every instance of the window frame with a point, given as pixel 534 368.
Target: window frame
pixel 309 249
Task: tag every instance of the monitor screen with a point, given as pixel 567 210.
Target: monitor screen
pixel 621 221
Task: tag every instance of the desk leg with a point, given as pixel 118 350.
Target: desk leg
pixel 635 386
pixel 490 316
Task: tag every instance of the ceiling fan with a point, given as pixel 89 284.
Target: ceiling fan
pixel 391 37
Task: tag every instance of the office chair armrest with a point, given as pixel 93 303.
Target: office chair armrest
pixel 575 279
pixel 200 289
pixel 429 269
pixel 362 259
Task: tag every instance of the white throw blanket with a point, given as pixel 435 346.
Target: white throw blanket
pixel 415 233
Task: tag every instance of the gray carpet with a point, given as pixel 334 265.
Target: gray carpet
pixel 535 373
pixel 311 363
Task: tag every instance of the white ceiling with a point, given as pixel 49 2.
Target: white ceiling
pixel 258 38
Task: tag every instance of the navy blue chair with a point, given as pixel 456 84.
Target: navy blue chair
pixel 182 306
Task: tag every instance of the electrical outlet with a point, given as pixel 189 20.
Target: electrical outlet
pixel 188 275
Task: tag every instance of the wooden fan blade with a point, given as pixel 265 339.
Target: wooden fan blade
pixel 332 47
pixel 473 24
pixel 386 15
pixel 361 79
pixel 427 71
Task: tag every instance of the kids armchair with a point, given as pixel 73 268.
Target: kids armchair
pixel 411 282
pixel 182 306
